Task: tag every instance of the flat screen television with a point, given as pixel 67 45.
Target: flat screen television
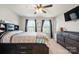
pixel 72 15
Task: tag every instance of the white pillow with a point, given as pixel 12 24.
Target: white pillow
pixel 1 31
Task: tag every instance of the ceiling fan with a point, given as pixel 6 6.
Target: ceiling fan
pixel 40 8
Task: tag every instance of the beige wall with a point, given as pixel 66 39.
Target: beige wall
pixel 68 26
pixel 60 22
pixel 7 15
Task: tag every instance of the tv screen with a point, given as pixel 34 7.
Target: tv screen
pixel 72 14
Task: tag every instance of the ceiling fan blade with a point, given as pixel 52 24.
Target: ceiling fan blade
pixel 44 11
pixel 35 12
pixel 40 5
pixel 47 6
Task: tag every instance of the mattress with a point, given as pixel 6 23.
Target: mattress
pixel 24 37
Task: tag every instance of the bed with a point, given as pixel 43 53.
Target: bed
pixel 9 37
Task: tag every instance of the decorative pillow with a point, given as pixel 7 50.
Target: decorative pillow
pixel 1 31
pixel 2 26
pixel 39 39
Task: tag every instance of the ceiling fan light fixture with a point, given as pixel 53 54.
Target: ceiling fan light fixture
pixel 39 10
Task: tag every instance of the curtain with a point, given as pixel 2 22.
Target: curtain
pixel 26 22
pixel 47 27
pixel 30 26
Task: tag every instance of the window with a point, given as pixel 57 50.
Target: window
pixel 47 27
pixel 30 25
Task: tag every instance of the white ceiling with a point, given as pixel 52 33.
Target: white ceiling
pixel 28 9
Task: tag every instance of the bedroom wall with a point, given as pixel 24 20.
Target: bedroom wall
pixel 7 15
pixel 68 26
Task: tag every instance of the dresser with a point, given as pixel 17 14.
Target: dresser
pixel 69 40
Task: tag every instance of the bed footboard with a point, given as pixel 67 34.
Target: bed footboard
pixel 23 48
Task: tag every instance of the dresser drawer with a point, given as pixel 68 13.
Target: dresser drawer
pixel 61 42
pixel 71 48
pixel 72 42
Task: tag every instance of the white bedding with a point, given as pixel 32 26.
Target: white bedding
pixel 6 37
pixel 23 37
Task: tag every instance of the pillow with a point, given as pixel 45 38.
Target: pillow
pixel 10 27
pixel 2 26
pixel 1 31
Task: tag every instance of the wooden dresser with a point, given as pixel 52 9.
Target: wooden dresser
pixel 69 40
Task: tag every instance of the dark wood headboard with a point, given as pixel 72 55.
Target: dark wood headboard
pixel 9 27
